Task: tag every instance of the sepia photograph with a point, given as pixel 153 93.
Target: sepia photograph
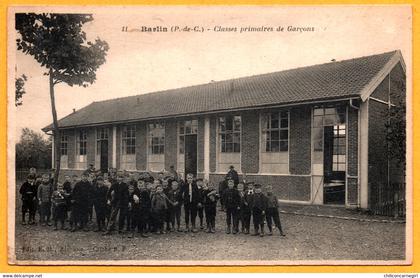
pixel 209 135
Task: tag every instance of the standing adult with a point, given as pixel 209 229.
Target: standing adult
pixel 191 199
pixel 232 174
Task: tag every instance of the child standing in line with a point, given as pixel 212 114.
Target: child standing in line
pixel 232 205
pixel 246 207
pixel 144 208
pixel 210 202
pixel 258 207
pixel 59 203
pixel 129 217
pixel 134 209
pixel 28 192
pixel 272 213
pixel 175 198
pixel 100 204
pixel 166 189
pixel 159 206
pixel 244 210
pixel 44 198
pixel 200 209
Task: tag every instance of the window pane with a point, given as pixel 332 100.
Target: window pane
pixel 275 146
pixel 275 135
pixel 229 123
pixel 237 123
pixel 284 115
pixel 222 124
pixel 229 147
pixel 284 134
pixel 284 146
pixel 267 146
pixel 229 138
pixel 237 138
pixel 284 123
pixel 236 147
pixel 274 120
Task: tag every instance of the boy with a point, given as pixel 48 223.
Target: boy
pixel 67 189
pixel 44 198
pixel 258 207
pixel 129 218
pixel 159 207
pixel 272 213
pixel 100 204
pixel 192 200
pixel 166 189
pixel 246 208
pixel 81 202
pixel 118 199
pixel 210 202
pixel 27 190
pixel 232 202
pixel 200 209
pixel 244 211
pixel 141 215
pixel 133 222
pixel 59 204
pixel 175 198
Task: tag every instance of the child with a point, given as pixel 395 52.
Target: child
pixel 175 197
pixel 59 203
pixel 200 209
pixel 159 206
pixel 134 209
pixel 272 213
pixel 166 189
pixel 129 217
pixel 141 215
pixel 82 192
pixel 27 190
pixel 258 207
pixel 210 202
pixel 246 207
pixel 100 204
pixel 67 189
pixel 244 211
pixel 44 198
pixel 232 202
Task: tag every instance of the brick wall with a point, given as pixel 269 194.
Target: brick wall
pixel 352 191
pixel 250 142
pixel 300 140
pixel 293 188
pixel 200 145
pixel 352 153
pixel 381 92
pixel 170 143
pixel 213 139
pixel 141 146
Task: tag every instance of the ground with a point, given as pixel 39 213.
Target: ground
pixel 328 236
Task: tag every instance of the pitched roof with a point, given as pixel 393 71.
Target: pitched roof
pixel 334 80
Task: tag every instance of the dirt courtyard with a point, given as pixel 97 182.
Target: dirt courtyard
pixel 308 238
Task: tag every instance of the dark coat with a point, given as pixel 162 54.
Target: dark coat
pixel 175 196
pixel 145 202
pixel 231 198
pixel 82 192
pixel 233 175
pixel 28 191
pixel 120 197
pixel 100 197
pixel 258 202
pixel 196 196
pixel 210 198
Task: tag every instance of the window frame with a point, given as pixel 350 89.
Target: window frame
pixel 81 143
pixel 155 142
pixel 64 140
pixel 128 139
pixel 233 133
pixel 182 132
pixel 100 135
pixel 267 131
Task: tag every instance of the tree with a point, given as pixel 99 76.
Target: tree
pixel 58 43
pixel 20 89
pixel 33 150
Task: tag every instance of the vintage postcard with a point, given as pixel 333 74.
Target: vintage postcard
pixel 210 135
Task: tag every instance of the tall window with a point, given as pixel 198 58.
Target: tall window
pixel 101 134
pixel 275 128
pixel 129 139
pixel 186 128
pixel 230 134
pixel 81 143
pixel 156 138
pixel 339 148
pixel 64 144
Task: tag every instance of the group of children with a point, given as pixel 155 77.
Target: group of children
pixel 146 205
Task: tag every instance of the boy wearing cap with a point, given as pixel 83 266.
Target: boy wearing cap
pixel 200 209
pixel 175 197
pixel 232 202
pixel 44 198
pixel 272 213
pixel 210 202
pixel 192 200
pixel 81 202
pixel 100 203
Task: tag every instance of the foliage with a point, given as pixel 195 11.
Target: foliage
pixel 20 89
pixel 33 150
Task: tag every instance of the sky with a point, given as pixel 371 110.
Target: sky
pixel 139 62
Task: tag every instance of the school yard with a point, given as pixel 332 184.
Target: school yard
pixel 309 237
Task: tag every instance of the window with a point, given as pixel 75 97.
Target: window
pixel 275 129
pixel 156 138
pixel 101 134
pixel 64 144
pixel 339 148
pixel 128 139
pixel 186 128
pixel 81 143
pixel 230 134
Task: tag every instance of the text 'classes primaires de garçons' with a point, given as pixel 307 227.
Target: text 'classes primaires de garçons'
pixel 219 29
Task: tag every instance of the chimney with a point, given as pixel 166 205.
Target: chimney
pixel 74 110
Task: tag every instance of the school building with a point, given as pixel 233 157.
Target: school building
pixel 316 134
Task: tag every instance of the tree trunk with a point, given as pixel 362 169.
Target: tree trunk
pixel 56 132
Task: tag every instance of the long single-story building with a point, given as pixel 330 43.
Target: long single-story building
pixel 316 134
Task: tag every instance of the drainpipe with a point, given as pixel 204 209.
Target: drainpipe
pixel 352 105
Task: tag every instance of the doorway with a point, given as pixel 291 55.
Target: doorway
pixel 334 164
pixel 104 156
pixel 191 154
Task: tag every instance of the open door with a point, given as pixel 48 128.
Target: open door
pixel 104 156
pixel 191 154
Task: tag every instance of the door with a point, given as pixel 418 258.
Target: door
pixel 191 154
pixel 104 156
